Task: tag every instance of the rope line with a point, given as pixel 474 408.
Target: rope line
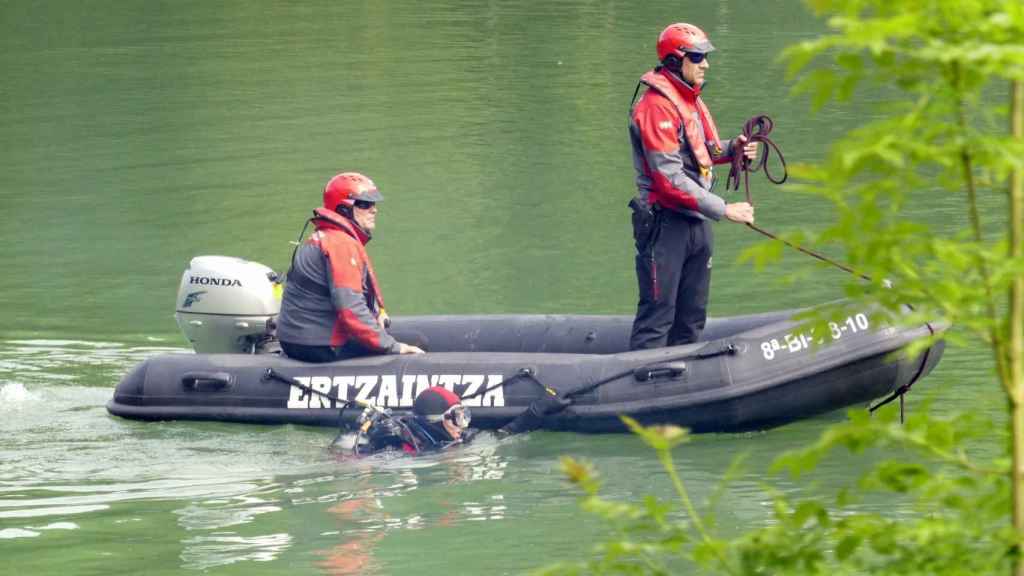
pixel 757 130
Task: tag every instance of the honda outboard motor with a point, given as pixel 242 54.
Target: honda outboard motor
pixel 228 305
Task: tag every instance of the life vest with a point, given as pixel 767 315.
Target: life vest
pixel 698 125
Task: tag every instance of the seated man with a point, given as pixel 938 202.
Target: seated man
pixel 332 307
pixel 438 421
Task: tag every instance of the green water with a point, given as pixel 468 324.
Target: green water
pixel 135 135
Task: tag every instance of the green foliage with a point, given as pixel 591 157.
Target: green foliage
pixel 946 63
pixel 960 526
pixel 944 137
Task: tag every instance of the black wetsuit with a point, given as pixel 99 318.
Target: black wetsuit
pixel 415 435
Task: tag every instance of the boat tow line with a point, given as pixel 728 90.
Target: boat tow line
pixel 757 129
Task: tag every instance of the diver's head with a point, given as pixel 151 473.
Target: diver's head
pixel 442 411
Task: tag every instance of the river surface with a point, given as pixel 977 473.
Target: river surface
pixel 135 135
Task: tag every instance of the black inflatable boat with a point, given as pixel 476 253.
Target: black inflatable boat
pixel 750 372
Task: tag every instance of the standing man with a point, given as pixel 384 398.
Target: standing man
pixel 332 307
pixel 675 143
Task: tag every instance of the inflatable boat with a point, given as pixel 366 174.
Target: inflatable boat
pixel 748 372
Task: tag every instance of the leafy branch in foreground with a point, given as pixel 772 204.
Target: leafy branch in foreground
pixel 959 527
pixel 941 142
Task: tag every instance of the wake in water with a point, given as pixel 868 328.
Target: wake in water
pixel 14 395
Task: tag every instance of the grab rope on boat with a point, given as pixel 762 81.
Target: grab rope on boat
pixel 667 367
pixel 524 374
pixel 671 366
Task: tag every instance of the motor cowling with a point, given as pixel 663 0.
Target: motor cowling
pixel 227 305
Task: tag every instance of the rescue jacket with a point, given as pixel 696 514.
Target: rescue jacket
pixel 332 297
pixel 675 145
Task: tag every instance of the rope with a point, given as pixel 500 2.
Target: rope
pixel 273 375
pixel 902 390
pixel 756 130
pixel 522 373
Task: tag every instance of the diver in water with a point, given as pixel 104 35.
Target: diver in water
pixel 438 421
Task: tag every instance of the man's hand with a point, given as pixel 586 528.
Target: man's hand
pixel 404 348
pixel 749 148
pixel 741 212
pixel 383 319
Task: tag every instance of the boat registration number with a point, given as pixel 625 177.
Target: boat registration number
pixel 799 341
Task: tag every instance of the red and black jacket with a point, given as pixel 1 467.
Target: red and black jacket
pixel 332 296
pixel 675 144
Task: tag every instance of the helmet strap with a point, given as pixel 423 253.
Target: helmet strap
pixel 674 64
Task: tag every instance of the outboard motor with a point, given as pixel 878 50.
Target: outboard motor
pixel 228 305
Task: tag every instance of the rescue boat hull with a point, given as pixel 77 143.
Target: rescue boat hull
pixel 749 373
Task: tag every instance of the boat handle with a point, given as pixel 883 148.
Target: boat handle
pixel 647 373
pixel 206 380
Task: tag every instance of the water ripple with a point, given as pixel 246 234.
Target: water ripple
pixel 222 549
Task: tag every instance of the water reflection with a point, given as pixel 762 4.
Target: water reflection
pixel 33 531
pixel 386 495
pixel 222 513
pixel 55 361
pixel 221 549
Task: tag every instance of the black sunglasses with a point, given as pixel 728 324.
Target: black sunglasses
pixel 364 204
pixel 696 57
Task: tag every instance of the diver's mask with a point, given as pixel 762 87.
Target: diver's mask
pixel 458 415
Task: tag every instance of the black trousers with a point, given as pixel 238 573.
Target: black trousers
pixel 319 354
pixel 673 271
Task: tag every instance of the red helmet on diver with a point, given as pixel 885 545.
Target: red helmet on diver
pixel 437 403
pixel 679 38
pixel 348 187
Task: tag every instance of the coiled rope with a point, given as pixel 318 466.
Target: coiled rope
pixel 756 130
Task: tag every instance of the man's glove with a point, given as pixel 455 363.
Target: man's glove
pixel 548 404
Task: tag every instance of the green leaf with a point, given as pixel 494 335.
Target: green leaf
pixel 661 438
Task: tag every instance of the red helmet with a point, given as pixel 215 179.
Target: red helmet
pixel 437 403
pixel 680 38
pixel 347 187
pixel 434 401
